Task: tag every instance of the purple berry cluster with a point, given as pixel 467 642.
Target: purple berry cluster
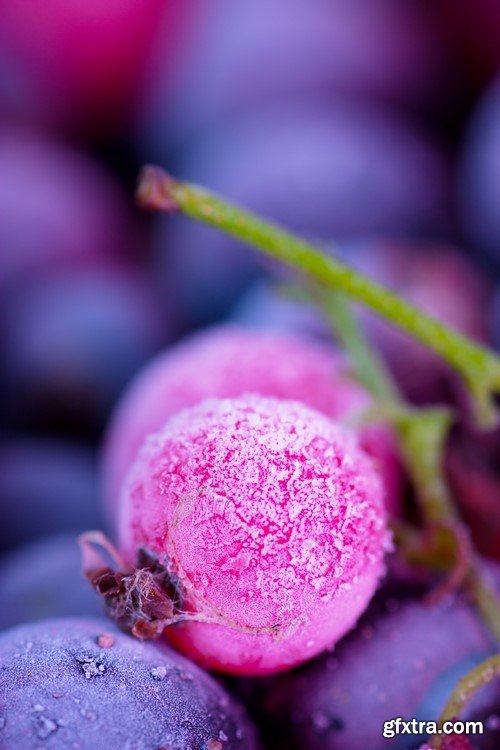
pixel 211 533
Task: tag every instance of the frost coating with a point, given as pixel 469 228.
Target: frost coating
pixel 271 517
pixel 229 361
pixel 59 689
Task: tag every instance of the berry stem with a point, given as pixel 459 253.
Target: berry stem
pixel 464 691
pixel 479 367
pixel 422 437
pixel 422 434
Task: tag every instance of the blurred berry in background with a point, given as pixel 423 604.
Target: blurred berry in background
pixel 46 486
pixel 479 176
pixel 44 579
pixel 345 171
pixel 242 57
pixel 73 340
pixel 443 282
pixel 78 64
pixel 60 208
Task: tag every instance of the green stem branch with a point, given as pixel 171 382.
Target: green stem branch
pixel 422 437
pixel 479 367
pixel 465 689
pixel 422 433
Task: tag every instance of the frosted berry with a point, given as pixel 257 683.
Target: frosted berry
pixel 76 683
pixel 269 522
pixel 228 361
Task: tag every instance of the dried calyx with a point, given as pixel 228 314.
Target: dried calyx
pixel 141 600
pixel 145 599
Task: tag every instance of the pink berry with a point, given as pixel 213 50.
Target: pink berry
pixel 229 361
pixel 271 521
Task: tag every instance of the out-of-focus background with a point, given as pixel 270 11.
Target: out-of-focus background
pixel 372 126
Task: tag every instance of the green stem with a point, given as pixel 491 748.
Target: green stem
pixel 370 368
pixel 465 689
pixel 479 367
pixel 422 437
pixel 422 434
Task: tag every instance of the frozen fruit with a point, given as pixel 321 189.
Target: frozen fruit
pixel 74 340
pixel 46 486
pixel 331 172
pixel 403 660
pixel 270 520
pixel 230 361
pixel 44 579
pixel 75 683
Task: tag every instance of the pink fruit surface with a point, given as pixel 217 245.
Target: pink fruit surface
pixel 227 361
pixel 272 520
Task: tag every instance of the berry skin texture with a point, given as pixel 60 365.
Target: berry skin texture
pixel 272 519
pixel 229 361
pixel 76 683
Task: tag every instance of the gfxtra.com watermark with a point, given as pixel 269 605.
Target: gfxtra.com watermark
pixel 394 727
